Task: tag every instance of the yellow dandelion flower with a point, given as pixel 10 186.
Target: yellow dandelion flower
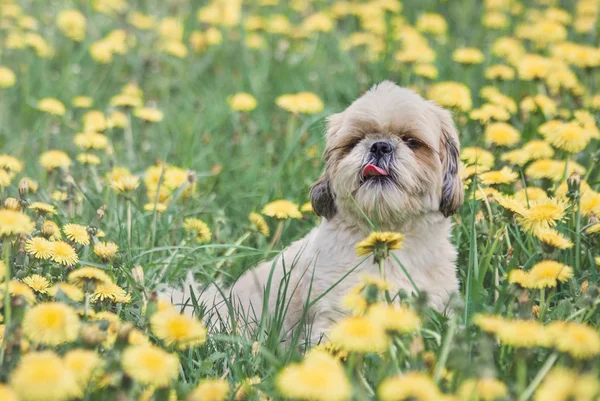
pixel 451 94
pixel 523 333
pixel 87 274
pixel 504 176
pixel 141 21
pixel 54 159
pixel 542 215
pixel 37 283
pixel 51 323
pixel 432 23
pixel 111 292
pixel 63 253
pixel 43 376
pixel 502 134
pixel 579 340
pixel 82 102
pixel 7 394
pixel 14 223
pixel 518 276
pixel 554 239
pixel 359 334
pixel 426 70
pixel 547 274
pixel 488 323
pixel 16 289
pixel 150 365
pixel 242 102
pixel 94 121
pixel 72 24
pixel 533 66
pixel 570 136
pixel 77 233
pixel 148 114
pixel 180 330
pixel 259 222
pixel 158 207
pixel 482 389
pixel 500 72
pixel 477 156
pixel 39 248
pixel 72 292
pixel 408 386
pixel 319 377
pixel 282 209
pixel 593 229
pixel 531 195
pixel 91 140
pixel 379 240
pixel 210 390
pixel 7 77
pixel 88 158
pixel 42 208
pixel 84 364
pixel 125 184
pixel 199 228
pixel 11 163
pixel 468 55
pixel 397 319
pixel 302 102
pixel 489 112
pixel 106 250
pixel 52 106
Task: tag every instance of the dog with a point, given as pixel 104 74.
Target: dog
pixel 392 159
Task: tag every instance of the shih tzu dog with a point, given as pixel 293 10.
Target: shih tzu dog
pixel 391 157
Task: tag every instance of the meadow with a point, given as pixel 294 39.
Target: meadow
pixel 141 140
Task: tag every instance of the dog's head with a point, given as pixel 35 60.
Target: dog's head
pixel 391 155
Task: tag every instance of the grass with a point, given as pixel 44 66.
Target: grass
pixel 240 161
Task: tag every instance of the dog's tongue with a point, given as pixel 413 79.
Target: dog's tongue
pixel 371 169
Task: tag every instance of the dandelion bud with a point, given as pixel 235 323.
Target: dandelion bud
pixel 50 229
pixel 124 331
pixel 535 310
pixel 92 335
pixel 138 274
pixel 573 187
pixel 23 188
pixel 12 204
pixel 584 287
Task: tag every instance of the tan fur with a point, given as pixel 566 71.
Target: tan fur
pixel 425 190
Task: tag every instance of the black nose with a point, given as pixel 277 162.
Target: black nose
pixel 381 148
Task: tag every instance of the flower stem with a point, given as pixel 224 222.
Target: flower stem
pixel 7 309
pixel 525 395
pixel 445 349
pixel 542 303
pixel 521 374
pixel 277 235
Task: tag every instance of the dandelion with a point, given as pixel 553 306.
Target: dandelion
pixel 158 207
pixel 426 71
pixel 14 223
pixel 72 292
pixel 37 283
pixel 43 376
pixel 6 393
pixel 379 244
pixel 242 102
pixel 84 364
pixel 42 208
pixel 484 389
pixel 77 234
pixel 413 385
pixel 111 292
pixel 432 23
pixel 54 159
pixel 578 340
pixel 488 323
pixel 63 253
pixel 106 250
pixel 51 323
pixel 126 184
pixel 503 176
pixel 52 106
pixel 502 134
pixel 82 102
pixel 88 274
pixel 467 55
pixel 11 163
pixel 359 334
pixel 199 228
pixel 259 223
pixel 150 365
pixel 7 77
pixel 523 333
pixel 303 102
pixel 519 276
pixel 210 390
pixel 72 24
pixel 477 156
pixel 451 94
pixel 39 248
pixel 554 239
pixel 175 329
pixel 542 215
pixel 319 377
pixel 148 114
pixel 500 72
pixel 282 209
pixel 396 319
pixel 50 230
pixel 91 140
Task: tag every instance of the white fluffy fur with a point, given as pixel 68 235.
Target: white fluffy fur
pixel 410 206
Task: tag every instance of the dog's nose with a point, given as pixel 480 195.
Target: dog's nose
pixel 381 148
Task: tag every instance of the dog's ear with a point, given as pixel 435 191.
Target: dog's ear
pixel 322 198
pixel 452 187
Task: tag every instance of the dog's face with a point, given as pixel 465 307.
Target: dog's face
pixel 391 155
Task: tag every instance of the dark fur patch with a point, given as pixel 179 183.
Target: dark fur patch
pixel 322 198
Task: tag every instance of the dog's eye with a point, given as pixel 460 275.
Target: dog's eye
pixel 411 142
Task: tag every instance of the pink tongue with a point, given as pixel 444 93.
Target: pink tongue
pixel 371 169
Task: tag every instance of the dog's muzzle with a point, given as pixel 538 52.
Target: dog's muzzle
pixel 378 160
